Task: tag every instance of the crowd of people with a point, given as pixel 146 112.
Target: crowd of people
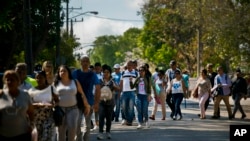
pixel 109 94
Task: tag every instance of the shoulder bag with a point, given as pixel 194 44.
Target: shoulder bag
pixel 80 103
pixel 58 112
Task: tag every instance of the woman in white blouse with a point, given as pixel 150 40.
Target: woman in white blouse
pixel 43 102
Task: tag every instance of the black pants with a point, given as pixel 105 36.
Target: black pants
pixel 207 103
pixel 23 137
pixel 170 103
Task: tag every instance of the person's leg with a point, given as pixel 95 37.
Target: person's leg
pixel 101 117
pixel 174 97
pixel 241 109
pixel 117 106
pixel 87 125
pixel 217 100
pixel 72 120
pixel 154 109
pixel 145 107
pixel 202 104
pixel 226 101
pixel 179 101
pixel 108 116
pixel 79 124
pixel 138 103
pixel 170 104
pixel 163 104
pixel 62 128
pixel 207 103
pixel 131 105
pixel 123 105
pixel 236 105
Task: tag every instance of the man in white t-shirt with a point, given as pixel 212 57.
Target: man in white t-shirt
pixel 128 94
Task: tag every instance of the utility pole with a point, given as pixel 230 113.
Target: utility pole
pixel 67 17
pixel 58 32
pixel 27 36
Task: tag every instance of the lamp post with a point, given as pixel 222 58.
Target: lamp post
pixel 71 21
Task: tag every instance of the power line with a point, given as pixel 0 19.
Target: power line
pixel 114 19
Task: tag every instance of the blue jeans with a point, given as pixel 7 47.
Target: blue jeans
pixel 141 102
pixel 237 97
pixel 117 105
pixel 177 99
pixel 127 104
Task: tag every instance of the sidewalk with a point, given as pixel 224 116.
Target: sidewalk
pixel 190 128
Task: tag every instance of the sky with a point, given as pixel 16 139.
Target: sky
pixel 114 18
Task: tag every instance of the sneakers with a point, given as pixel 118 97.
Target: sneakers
pixel 174 117
pixel 123 122
pixel 101 136
pixel 139 126
pixel 108 135
pixel 95 128
pixel 147 125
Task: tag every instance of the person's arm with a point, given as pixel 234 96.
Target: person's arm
pixel 183 86
pixel 85 101
pixel 97 97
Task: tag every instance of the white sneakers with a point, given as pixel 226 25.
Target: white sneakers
pixel 139 126
pixel 123 122
pixel 147 125
pixel 100 136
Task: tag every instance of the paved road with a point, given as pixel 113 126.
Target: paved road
pixel 190 128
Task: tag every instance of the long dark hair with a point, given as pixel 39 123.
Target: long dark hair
pixel 58 78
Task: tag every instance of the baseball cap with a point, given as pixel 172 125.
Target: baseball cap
pixel 116 66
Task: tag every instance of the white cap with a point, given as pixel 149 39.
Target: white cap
pixel 116 66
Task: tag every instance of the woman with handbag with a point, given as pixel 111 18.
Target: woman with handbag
pixel 66 88
pixel 204 91
pixel 43 102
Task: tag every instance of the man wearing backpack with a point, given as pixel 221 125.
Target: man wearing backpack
pixel 170 75
pixel 88 79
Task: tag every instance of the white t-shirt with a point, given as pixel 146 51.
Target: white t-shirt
pixel 177 86
pixel 43 96
pixel 125 79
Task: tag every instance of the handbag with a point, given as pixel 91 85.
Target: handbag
pixel 58 113
pixel 80 103
pixel 195 93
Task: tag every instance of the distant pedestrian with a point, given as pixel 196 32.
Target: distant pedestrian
pixel 222 83
pixel 170 75
pixel 128 94
pixel 204 91
pixel 177 88
pixel 239 90
pixel 142 84
pixel 116 76
pixel 49 69
pixel 159 85
pixel 88 79
pixel 106 105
